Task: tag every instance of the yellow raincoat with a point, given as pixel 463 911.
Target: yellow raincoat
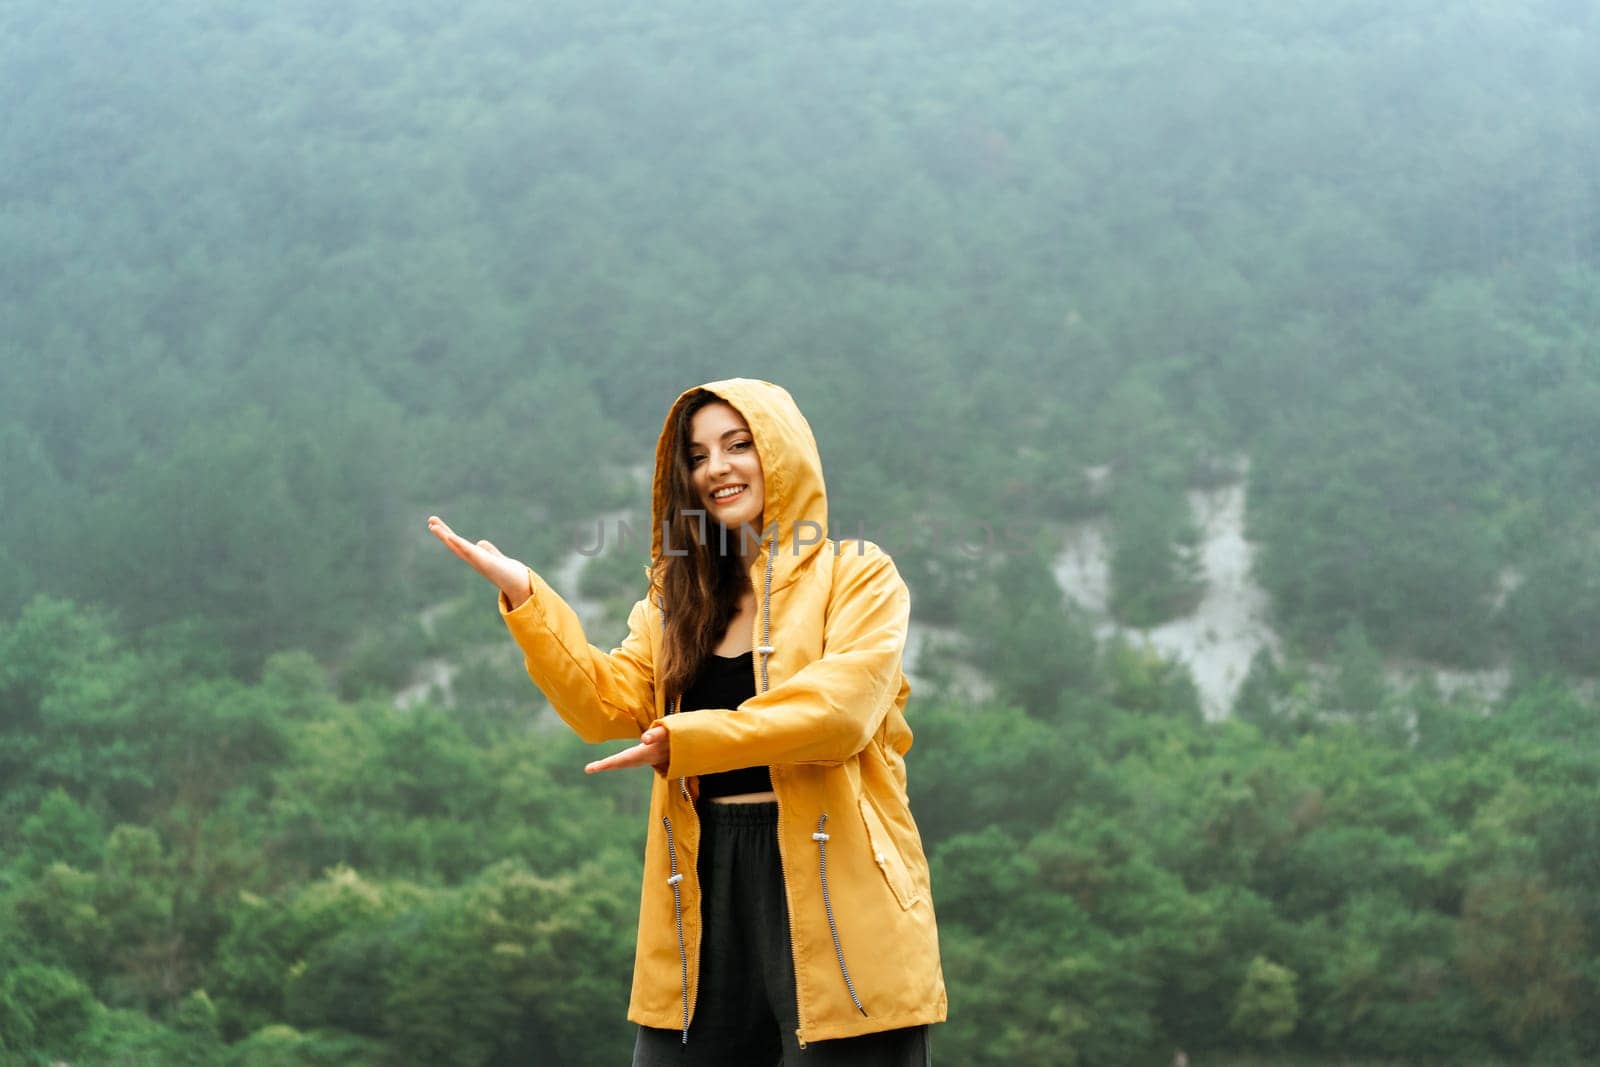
pixel 827 719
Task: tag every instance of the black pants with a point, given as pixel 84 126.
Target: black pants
pixel 745 1013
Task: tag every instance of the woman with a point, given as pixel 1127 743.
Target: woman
pixel 786 913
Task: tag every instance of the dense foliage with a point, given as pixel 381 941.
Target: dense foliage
pixel 201 870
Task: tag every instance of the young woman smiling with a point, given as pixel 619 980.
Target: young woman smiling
pixel 786 914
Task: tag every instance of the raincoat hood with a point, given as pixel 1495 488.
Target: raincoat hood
pixel 796 504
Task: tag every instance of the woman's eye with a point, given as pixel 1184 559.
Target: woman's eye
pixel 737 446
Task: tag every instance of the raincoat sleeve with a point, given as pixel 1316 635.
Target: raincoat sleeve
pixel 601 695
pixel 827 711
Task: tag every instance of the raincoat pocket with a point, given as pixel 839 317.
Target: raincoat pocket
pixel 887 856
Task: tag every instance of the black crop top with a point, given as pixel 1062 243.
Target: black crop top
pixel 726 682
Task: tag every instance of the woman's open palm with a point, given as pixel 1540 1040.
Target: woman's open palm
pixel 510 576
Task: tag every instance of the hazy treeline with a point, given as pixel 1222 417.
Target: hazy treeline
pixel 276 284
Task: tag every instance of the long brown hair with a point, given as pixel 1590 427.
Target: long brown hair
pixel 701 587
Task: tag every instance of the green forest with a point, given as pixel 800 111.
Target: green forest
pixel 278 282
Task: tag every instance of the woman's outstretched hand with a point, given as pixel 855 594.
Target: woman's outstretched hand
pixel 651 751
pixel 510 576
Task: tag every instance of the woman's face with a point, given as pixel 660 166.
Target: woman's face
pixel 724 467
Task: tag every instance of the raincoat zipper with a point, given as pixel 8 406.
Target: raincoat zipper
pixel 677 900
pixel 677 876
pixel 677 904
